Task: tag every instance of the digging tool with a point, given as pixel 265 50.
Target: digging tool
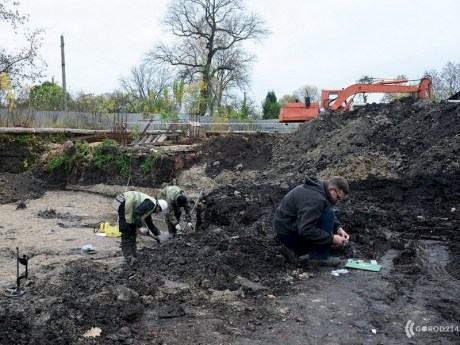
pixel 196 202
pixel 148 232
pixel 18 290
pixel 156 238
pixel 193 209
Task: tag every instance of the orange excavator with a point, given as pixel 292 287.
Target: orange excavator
pixel 343 99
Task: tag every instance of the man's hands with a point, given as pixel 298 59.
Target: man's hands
pixel 343 233
pixel 188 225
pixel 341 238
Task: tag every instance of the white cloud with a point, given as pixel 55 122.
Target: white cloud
pixel 328 44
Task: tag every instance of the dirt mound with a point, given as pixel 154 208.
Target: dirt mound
pixel 403 139
pixel 400 158
pixel 237 152
pixel 19 187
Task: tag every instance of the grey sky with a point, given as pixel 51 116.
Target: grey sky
pixel 325 43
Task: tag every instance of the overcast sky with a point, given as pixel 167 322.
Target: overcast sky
pixel 325 43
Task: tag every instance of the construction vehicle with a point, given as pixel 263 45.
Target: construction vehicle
pixel 342 100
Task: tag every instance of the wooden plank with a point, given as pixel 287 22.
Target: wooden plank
pixel 162 138
pixel 149 139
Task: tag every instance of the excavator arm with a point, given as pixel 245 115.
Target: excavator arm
pixel 344 98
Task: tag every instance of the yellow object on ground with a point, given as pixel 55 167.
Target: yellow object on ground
pixel 109 230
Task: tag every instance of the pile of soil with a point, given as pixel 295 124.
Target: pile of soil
pixel 227 283
pixel 237 152
pixel 19 187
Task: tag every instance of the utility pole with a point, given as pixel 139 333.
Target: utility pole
pixel 64 91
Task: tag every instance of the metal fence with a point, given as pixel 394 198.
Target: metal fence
pixel 138 122
pixel 209 124
pixel 55 119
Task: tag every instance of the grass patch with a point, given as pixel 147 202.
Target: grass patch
pixel 105 157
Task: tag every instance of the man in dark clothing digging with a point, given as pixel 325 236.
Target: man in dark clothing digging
pixel 305 221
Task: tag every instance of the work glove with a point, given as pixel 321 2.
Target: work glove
pixel 144 231
pixel 177 227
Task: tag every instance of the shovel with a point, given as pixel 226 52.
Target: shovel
pixel 156 238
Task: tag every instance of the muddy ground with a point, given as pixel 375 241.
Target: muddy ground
pixel 227 283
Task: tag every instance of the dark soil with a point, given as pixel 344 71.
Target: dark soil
pixel 237 152
pixel 166 168
pixel 19 187
pixel 227 284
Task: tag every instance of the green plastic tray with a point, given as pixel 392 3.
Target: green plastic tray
pixel 361 265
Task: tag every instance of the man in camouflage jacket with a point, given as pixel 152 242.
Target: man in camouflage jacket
pixel 176 199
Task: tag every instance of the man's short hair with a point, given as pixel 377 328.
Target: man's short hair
pixel 340 183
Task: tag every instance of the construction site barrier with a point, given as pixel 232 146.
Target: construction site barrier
pixel 29 118
pixel 216 126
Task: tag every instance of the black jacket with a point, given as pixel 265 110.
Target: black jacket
pixel 301 209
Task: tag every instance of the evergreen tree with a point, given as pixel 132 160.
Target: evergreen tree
pixel 270 107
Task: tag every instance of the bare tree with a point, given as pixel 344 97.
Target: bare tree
pixel 203 30
pixel 451 78
pixel 235 76
pixel 307 90
pixel 439 90
pixel 146 82
pixel 447 82
pixel 20 63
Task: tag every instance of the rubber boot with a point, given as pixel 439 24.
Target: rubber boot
pixel 172 231
pixel 289 254
pixel 128 248
pixel 125 247
pixel 134 248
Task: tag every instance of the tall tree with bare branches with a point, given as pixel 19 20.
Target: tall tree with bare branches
pixel 146 83
pixel 20 62
pixel 208 37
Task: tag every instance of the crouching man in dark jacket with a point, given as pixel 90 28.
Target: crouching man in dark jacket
pixel 305 221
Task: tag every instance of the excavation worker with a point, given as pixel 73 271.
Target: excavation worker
pixel 134 212
pixel 305 221
pixel 176 199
